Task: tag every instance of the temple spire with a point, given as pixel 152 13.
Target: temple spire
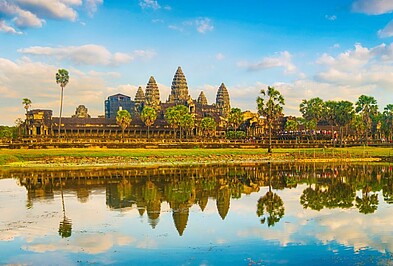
pixel 202 98
pixel 139 99
pixel 179 88
pixel 222 101
pixel 152 94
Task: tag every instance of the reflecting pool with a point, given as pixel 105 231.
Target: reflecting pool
pixel 270 214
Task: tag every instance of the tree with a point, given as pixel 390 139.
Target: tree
pixel 187 122
pixel 148 116
pixel 357 125
pixel 388 121
pixel 26 104
pixel 367 106
pixel 62 79
pixel 208 125
pixel 19 124
pixel 235 118
pixel 340 114
pixel 291 125
pixel 367 203
pixel 312 109
pixel 173 116
pixel 123 119
pixel 270 205
pixel 270 106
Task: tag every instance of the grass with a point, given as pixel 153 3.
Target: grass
pixel 8 156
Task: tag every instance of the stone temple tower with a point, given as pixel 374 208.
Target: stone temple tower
pixel 222 101
pixel 152 95
pixel 179 89
pixel 202 99
pixel 139 99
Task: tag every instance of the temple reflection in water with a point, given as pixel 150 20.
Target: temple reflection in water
pixel 328 186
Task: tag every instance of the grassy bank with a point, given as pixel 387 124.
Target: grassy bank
pixel 96 156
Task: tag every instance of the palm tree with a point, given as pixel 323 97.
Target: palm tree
pixel 148 116
pixel 123 119
pixel 270 205
pixel 62 79
pixel 208 125
pixel 18 124
pixel 235 118
pixel 367 106
pixel 187 122
pixel 388 121
pixel 65 226
pixel 312 109
pixel 26 104
pixel 270 106
pixel 173 116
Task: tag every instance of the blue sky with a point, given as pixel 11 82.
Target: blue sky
pixel 336 49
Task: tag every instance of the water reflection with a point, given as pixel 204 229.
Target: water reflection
pixel 296 203
pixel 333 186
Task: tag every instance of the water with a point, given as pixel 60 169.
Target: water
pixel 260 215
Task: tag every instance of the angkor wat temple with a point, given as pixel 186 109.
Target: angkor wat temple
pixel 41 122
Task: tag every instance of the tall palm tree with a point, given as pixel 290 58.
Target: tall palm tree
pixel 187 123
pixel 62 79
pixel 208 125
pixel 367 107
pixel 148 116
pixel 270 106
pixel 26 104
pixel 235 118
pixel 270 206
pixel 123 119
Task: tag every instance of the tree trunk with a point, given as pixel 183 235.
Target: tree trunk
pixel 61 109
pixel 269 149
pixel 148 128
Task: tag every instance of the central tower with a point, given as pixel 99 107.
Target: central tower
pixel 179 89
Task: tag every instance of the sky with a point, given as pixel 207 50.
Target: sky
pixel 332 49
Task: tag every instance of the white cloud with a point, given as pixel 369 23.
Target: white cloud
pixel 8 29
pixel 92 6
pixel 387 31
pixel 89 54
pixel 373 7
pixel 282 59
pixel 55 9
pixel 203 25
pixel 146 4
pixel 331 17
pixel 34 13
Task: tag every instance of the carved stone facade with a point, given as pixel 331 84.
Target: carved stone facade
pixel 81 112
pixel 152 94
pixel 202 99
pixel 82 123
pixel 139 99
pixel 179 89
pixel 223 102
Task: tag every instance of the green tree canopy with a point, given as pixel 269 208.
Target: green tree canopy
pixel 148 116
pixel 62 78
pixel 235 118
pixel 26 104
pixel 312 109
pixel 123 119
pixel 367 107
pixel 270 106
pixel 208 125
